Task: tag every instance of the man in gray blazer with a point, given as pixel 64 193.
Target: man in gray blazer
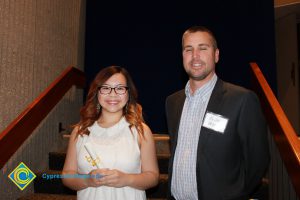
pixel 219 146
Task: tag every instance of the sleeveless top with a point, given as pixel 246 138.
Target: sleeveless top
pixel 115 147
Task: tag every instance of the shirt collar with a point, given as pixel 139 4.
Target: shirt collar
pixel 204 91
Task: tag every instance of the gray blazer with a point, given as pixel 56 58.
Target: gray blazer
pixel 230 165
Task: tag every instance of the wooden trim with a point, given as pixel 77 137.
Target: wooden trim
pixel 22 127
pixel 283 133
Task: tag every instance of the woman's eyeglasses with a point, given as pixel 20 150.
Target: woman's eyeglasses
pixel 104 89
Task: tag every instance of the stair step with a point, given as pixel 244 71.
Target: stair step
pixel 39 196
pixel 163 163
pixel 57 159
pixel 161 142
pixel 54 189
pixel 55 186
pixel 159 191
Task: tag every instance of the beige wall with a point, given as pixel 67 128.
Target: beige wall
pixel 38 40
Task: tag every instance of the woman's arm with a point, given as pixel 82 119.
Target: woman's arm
pixel 150 172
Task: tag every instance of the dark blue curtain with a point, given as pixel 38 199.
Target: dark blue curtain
pixel 145 38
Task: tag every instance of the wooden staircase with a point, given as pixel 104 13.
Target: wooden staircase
pixel 54 189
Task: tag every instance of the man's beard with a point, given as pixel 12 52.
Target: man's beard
pixel 197 77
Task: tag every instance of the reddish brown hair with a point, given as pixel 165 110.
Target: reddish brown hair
pixel 132 112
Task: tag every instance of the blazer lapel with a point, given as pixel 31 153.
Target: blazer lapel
pixel 214 105
pixel 215 102
pixel 177 117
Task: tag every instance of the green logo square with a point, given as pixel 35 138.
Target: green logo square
pixel 22 176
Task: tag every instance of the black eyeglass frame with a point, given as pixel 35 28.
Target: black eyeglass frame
pixel 113 88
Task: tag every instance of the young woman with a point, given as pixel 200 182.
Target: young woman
pixel 111 153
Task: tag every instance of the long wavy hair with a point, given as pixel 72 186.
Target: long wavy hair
pixel 132 111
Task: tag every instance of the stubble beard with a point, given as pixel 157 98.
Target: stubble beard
pixel 197 77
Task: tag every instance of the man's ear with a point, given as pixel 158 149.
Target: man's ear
pixel 217 53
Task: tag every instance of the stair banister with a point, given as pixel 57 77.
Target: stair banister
pixel 282 132
pixel 12 137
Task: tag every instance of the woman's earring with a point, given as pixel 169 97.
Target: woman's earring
pixel 126 108
pixel 98 107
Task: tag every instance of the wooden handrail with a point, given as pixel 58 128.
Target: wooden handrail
pixel 20 129
pixel 282 131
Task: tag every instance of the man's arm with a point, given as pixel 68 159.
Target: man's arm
pixel 252 128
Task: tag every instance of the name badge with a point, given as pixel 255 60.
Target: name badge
pixel 215 122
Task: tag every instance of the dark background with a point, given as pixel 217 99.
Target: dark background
pixel 145 38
